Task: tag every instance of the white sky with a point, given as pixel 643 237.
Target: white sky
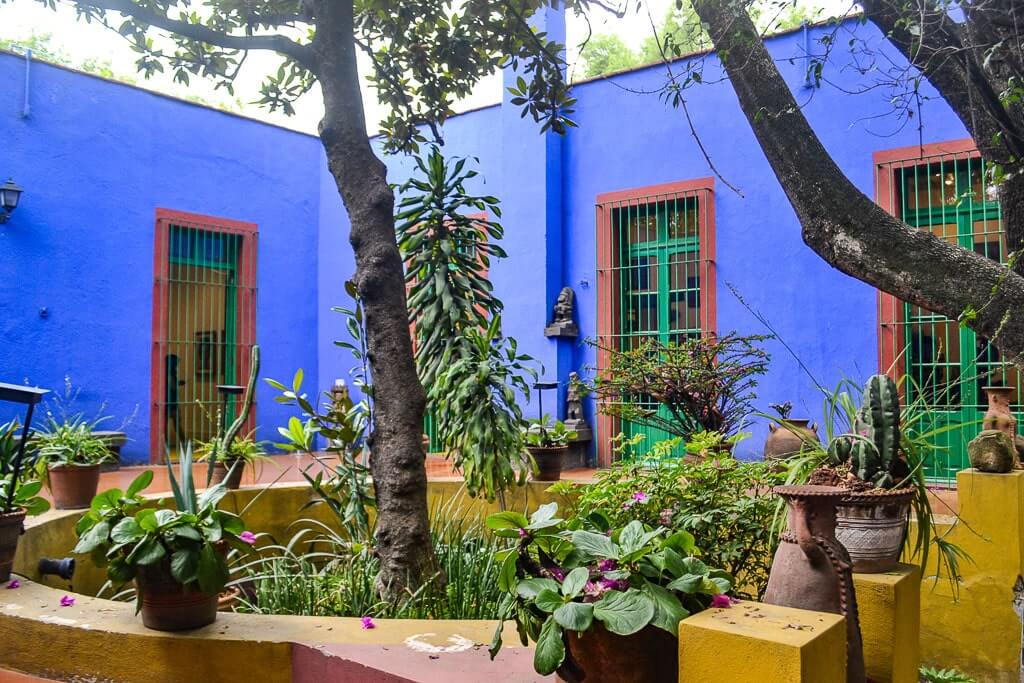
pixel 20 19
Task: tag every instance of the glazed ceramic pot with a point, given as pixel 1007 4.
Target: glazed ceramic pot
pixel 786 439
pixel 229 473
pixel 999 416
pixel 549 462
pixel 169 606
pixel 11 526
pixel 871 526
pixel 812 569
pixel 600 656
pixel 73 486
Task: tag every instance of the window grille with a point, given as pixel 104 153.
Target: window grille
pixel 943 366
pixel 655 277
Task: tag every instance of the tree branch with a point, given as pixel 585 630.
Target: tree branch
pixel 841 224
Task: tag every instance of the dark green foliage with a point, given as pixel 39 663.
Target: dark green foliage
pixel 701 384
pixel 873 453
pixel 26 487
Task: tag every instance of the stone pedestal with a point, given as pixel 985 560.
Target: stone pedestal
pixel 890 623
pixel 764 643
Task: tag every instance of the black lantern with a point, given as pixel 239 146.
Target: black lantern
pixel 27 396
pixel 10 193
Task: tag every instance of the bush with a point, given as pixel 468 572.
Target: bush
pixel 725 503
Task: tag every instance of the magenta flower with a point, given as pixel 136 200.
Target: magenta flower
pixel 247 537
pixel 665 517
pixel 14 583
pixel 557 574
pixel 522 533
pixel 67 601
pixel 640 497
pixel 614 584
pixel 721 601
pixel 606 565
pixel 368 623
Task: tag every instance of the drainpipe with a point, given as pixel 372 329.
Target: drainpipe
pixel 26 108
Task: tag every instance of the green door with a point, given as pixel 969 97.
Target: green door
pixel 659 276
pixel 947 364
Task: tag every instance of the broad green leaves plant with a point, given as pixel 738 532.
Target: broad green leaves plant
pixel 569 575
pixel 26 487
pixel 547 433
pixel 122 533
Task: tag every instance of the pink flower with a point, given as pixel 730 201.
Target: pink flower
pixel 67 601
pixel 640 497
pixel 606 565
pixel 614 584
pixel 14 583
pixel 247 537
pixel 368 623
pixel 523 533
pixel 665 517
pixel 721 601
pixel 557 574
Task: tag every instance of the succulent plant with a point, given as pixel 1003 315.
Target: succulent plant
pixel 873 452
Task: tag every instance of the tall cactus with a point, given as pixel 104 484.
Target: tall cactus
pixel 243 411
pixel 874 454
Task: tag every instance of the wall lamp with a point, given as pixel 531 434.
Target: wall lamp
pixel 10 193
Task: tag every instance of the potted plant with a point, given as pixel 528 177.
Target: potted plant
pixel 68 458
pixel 871 464
pixel 601 604
pixel 228 466
pixel 19 496
pixel 176 557
pixel 548 442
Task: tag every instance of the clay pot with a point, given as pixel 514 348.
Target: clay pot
pixel 600 656
pixel 871 526
pixel 227 600
pixel 992 451
pixel 73 486
pixel 999 416
pixel 786 439
pixel 169 606
pixel 223 472
pixel 10 530
pixel 549 462
pixel 811 569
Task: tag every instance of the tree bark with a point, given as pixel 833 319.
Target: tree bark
pixel 841 224
pixel 397 460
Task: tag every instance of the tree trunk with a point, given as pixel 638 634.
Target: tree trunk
pixel 396 450
pixel 841 224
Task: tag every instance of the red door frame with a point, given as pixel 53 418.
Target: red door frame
pixel 246 308
pixel 890 309
pixel 608 282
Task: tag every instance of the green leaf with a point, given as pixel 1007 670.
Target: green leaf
pixel 139 483
pixel 106 499
pixel 507 520
pixel 126 531
pixel 575 616
pixel 188 532
pixel 529 588
pixel 184 564
pixel 548 600
pixel 146 519
pixel 687 583
pixel 231 523
pixel 507 575
pixel 211 571
pixel 94 538
pixel 149 551
pixel 595 545
pixel 575 581
pixel 624 613
pixel 668 611
pixel 550 650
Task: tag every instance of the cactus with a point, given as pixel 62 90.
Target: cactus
pixel 243 411
pixel 874 453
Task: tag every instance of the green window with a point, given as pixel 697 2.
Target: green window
pixel 946 366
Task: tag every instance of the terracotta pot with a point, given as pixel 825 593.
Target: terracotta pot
pixel 222 473
pixel 10 530
pixel 600 656
pixel 169 606
pixel 999 416
pixel 549 462
pixel 73 486
pixel 785 440
pixel 811 569
pixel 871 526
pixel 227 600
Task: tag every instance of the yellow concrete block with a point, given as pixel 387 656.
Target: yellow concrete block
pixel 889 606
pixel 751 641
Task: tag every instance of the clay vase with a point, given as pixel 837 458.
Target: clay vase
pixel 786 439
pixel 999 416
pixel 73 486
pixel 169 606
pixel 600 656
pixel 10 532
pixel 549 462
pixel 229 473
pixel 812 570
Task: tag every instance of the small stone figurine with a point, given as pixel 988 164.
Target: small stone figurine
pixel 562 324
pixel 574 410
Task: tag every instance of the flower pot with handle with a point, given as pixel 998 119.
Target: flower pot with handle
pixel 73 486
pixel 788 437
pixel 549 462
pixel 11 527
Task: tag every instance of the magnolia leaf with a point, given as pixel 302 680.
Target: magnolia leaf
pixel 668 611
pixel 594 545
pixel 507 520
pixel 575 581
pixel 624 613
pixel 548 600
pixel 529 588
pixel 575 616
pixel 550 649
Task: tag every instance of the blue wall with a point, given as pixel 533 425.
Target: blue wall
pixel 96 159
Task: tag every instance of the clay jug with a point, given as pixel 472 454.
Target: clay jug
pixel 812 570
pixel 786 439
pixel 999 416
